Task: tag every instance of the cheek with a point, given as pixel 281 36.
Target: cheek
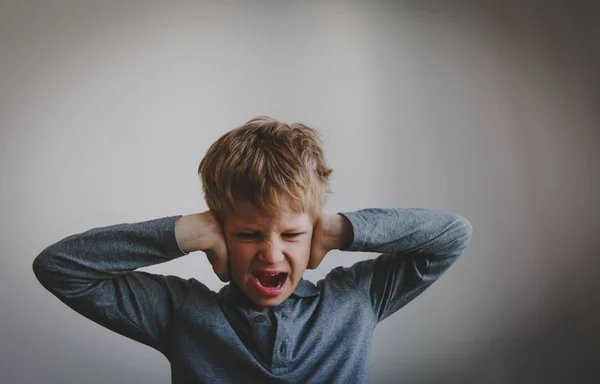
pixel 240 256
pixel 301 254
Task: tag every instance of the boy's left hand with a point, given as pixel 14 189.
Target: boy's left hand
pixel 331 231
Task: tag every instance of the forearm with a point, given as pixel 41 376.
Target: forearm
pixel 408 229
pixel 94 273
pixel 106 252
pixel 417 246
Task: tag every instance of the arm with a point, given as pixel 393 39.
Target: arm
pixel 93 273
pixel 418 246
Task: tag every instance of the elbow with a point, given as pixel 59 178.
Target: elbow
pixel 51 271
pixel 40 267
pixel 467 228
pixel 463 232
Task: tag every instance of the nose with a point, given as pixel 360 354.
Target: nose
pixel 271 254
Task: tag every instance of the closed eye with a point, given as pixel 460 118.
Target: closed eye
pixel 246 236
pixel 254 236
pixel 292 235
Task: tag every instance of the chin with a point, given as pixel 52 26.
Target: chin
pixel 270 303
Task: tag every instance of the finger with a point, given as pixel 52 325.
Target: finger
pixel 223 277
pixel 316 256
pixel 226 276
pixel 218 260
pixel 314 263
pixel 221 273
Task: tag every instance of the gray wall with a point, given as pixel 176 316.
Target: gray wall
pixel 487 109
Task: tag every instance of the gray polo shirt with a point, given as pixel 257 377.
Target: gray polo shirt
pixel 321 334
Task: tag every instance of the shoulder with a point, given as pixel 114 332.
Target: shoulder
pixel 340 282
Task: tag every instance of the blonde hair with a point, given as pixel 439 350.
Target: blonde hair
pixel 273 165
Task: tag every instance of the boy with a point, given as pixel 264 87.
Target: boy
pixel 265 184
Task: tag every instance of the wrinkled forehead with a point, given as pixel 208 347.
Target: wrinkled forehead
pixel 248 215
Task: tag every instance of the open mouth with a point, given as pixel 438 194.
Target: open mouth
pixel 271 280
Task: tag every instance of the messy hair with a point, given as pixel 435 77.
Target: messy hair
pixel 273 165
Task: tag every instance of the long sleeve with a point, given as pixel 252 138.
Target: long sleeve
pixel 93 273
pixel 417 246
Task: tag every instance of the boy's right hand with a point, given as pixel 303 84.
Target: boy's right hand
pixel 216 247
pixel 203 232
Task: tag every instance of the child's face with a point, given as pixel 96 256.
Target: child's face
pixel 267 254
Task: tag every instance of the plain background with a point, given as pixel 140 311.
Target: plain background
pixel 487 109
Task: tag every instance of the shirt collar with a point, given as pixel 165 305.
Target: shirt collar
pixel 304 289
